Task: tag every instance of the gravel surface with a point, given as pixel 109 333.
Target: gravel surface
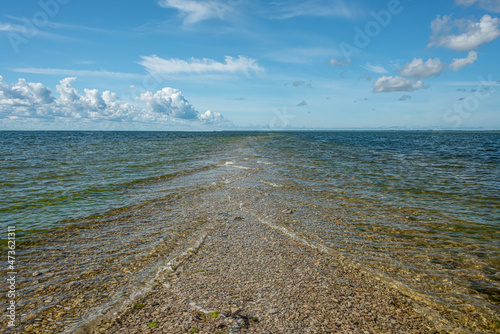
pixel 248 277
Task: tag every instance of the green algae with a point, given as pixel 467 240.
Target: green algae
pixel 213 315
pixel 153 324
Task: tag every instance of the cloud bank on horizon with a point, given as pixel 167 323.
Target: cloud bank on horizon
pixel 241 61
pixel 167 106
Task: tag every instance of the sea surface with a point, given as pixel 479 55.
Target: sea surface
pixel 418 209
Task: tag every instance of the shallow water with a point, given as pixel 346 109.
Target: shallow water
pixel 418 208
pixel 52 176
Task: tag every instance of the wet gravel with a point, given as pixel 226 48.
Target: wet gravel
pixel 248 277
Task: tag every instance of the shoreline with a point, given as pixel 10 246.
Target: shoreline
pixel 248 277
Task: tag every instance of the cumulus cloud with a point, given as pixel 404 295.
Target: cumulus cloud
pixel 386 84
pixel 418 69
pixel 458 63
pixel 156 64
pixel 170 102
pixel 29 99
pixel 211 117
pixel 24 93
pixel 335 62
pixel 34 100
pixel 197 11
pixel 491 5
pixel 375 68
pixel 91 105
pixel 463 35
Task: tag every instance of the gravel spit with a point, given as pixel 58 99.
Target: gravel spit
pixel 247 277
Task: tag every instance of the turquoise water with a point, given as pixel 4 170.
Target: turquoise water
pixel 422 207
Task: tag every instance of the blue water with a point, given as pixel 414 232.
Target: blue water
pixel 421 207
pixel 49 177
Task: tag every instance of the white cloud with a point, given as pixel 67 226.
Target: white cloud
pixel 418 69
pixel 197 11
pixel 287 9
pixel 68 95
pixel 26 29
pixel 463 35
pixel 375 68
pixel 28 99
pixel 57 25
pixel 24 94
pixel 155 64
pixel 386 84
pixel 92 105
pixel 34 100
pixel 458 63
pixel 170 102
pixel 335 62
pixel 11 27
pixel 491 5
pixel 211 117
pixel 65 72
pixel 22 28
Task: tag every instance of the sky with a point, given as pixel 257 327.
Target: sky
pixel 249 65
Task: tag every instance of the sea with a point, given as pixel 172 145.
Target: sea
pixel 419 210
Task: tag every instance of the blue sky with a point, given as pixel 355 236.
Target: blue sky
pixel 238 64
